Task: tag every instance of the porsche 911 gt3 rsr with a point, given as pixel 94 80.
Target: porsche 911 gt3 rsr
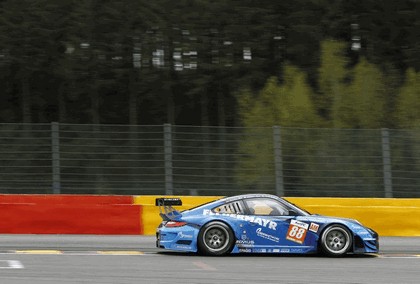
pixel 258 223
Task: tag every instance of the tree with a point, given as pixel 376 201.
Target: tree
pixel 347 159
pixel 408 102
pixel 32 45
pixel 405 153
pixel 363 105
pixel 331 78
pixel 86 51
pixel 286 104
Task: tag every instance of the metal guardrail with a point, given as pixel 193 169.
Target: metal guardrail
pixel 189 160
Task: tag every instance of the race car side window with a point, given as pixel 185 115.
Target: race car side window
pixel 230 208
pixel 266 207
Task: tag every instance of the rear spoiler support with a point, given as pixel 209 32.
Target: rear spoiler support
pixel 166 210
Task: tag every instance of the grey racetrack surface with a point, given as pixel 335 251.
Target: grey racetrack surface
pixel 134 259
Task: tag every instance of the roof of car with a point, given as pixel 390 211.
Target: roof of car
pixel 249 195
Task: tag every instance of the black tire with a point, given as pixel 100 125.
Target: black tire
pixel 215 238
pixel 336 241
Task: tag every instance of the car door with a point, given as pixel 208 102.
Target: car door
pixel 272 228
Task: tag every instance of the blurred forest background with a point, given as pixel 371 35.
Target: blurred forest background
pixel 300 63
pixel 95 81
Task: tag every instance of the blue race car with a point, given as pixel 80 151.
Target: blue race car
pixel 258 223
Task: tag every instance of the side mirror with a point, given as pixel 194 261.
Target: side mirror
pixel 292 213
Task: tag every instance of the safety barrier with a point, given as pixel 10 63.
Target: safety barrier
pixel 137 215
pixel 387 216
pixel 69 214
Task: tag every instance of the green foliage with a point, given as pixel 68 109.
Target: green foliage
pixel 72 61
pixel 408 102
pixel 406 144
pixel 287 104
pixel 358 101
pixel 331 78
pixel 255 168
pixel 362 103
pixel 367 89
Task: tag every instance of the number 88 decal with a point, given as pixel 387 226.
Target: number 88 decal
pixel 297 231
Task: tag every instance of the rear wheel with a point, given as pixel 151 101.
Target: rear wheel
pixel 336 240
pixel 215 238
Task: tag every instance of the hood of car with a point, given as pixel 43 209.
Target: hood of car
pixel 330 219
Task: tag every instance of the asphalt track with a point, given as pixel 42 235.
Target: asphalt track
pixel 134 259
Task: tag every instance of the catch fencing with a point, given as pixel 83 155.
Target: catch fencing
pixel 191 160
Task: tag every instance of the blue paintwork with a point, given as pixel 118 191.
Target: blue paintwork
pixel 262 234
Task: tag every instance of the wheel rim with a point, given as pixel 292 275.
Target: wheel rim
pixel 336 240
pixel 216 238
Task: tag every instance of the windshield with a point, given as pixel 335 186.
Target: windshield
pixel 299 210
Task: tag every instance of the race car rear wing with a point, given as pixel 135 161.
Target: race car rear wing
pixel 166 211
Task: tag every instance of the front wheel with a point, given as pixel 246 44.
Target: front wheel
pixel 336 241
pixel 215 238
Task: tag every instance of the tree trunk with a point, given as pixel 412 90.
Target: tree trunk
pixel 26 99
pixel 132 99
